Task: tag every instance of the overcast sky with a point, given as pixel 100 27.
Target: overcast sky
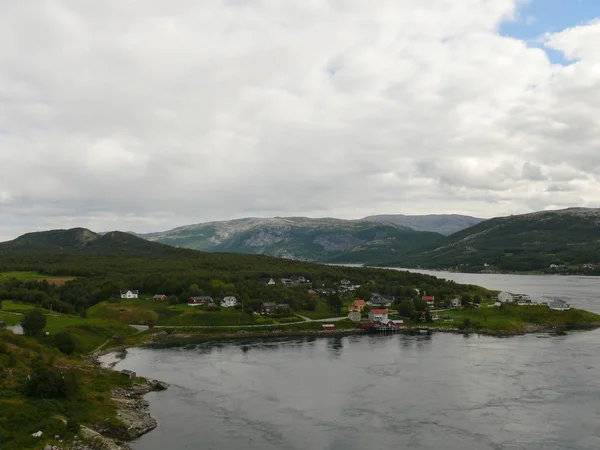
pixel 146 114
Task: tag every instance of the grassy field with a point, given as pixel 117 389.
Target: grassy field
pixel 35 276
pixel 21 415
pixel 515 318
pixel 321 311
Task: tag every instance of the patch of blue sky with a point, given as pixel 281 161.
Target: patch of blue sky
pixel 537 17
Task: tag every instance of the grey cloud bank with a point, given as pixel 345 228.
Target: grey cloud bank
pixel 145 115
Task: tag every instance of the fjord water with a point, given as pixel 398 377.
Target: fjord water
pixel 418 392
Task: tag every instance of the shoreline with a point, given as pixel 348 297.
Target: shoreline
pixel 133 409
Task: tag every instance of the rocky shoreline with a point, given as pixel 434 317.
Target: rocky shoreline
pixel 133 415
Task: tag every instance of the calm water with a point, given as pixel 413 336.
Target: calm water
pixel 372 392
pixel 582 292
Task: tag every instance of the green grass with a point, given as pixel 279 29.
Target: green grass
pixel 224 317
pixel 516 318
pixel 20 415
pixel 8 305
pixel 321 311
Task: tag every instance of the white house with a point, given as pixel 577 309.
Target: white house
pixel 505 297
pixel 129 294
pixel 379 315
pixel 559 305
pixel 17 329
pixel 228 302
pixel 456 302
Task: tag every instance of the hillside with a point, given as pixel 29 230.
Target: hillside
pixel 324 240
pixel 517 243
pixel 445 224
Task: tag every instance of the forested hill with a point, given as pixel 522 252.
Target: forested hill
pixel 106 264
pixel 527 242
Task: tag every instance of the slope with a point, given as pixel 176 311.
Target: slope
pixel 324 240
pixel 445 224
pixel 517 243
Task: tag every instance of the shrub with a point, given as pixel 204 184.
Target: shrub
pixel 64 342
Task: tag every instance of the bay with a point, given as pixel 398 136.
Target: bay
pixel 419 392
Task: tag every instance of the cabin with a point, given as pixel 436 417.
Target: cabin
pixel 129 294
pixel 129 374
pixel 268 307
pixel 17 329
pixel 200 301
pixel 229 302
pixel 160 298
pixel 328 326
pixel 559 305
pixel 358 305
pixel 378 315
pixel 429 299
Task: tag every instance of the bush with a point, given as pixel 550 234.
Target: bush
pixel 34 322
pixel 64 342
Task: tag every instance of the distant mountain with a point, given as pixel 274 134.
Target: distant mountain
pixel 324 240
pixel 78 240
pixel 517 243
pixel 445 224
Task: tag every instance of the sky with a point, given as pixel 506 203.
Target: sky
pixel 144 115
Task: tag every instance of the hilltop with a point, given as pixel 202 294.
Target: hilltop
pixel 526 242
pixel 323 240
pixel 445 224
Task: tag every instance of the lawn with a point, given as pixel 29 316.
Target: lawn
pixel 224 317
pixel 8 305
pixel 515 318
pixel 321 311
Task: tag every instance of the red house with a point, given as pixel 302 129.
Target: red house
pixel 199 301
pixel 160 298
pixel 429 299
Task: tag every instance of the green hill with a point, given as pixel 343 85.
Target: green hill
pixel 301 238
pixel 528 242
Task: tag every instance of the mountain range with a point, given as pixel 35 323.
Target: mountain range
pixel 376 238
pixel 526 242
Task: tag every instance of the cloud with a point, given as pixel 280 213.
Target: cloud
pixel 142 115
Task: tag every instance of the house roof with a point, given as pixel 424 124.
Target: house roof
pixel 160 295
pixel 201 299
pixel 380 311
pixel 269 304
pixel 428 298
pixel 359 303
pixel 127 371
pixel 129 290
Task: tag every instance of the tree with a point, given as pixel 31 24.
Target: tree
pixel 334 301
pixel 405 309
pixel 420 305
pixel 64 342
pixel 34 322
pixel 477 300
pixel 466 299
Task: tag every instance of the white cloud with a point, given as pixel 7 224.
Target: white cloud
pixel 146 115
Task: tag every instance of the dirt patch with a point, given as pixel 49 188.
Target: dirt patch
pixel 57 281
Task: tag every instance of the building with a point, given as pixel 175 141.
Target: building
pixel 354 316
pixel 358 305
pixel 505 297
pixel 429 299
pixel 129 374
pixel 17 329
pixel 268 307
pixel 378 315
pixel 229 302
pixel 328 327
pixel 200 301
pixel 268 281
pixel 129 294
pixel 559 305
pixel 160 298
pixel 456 302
